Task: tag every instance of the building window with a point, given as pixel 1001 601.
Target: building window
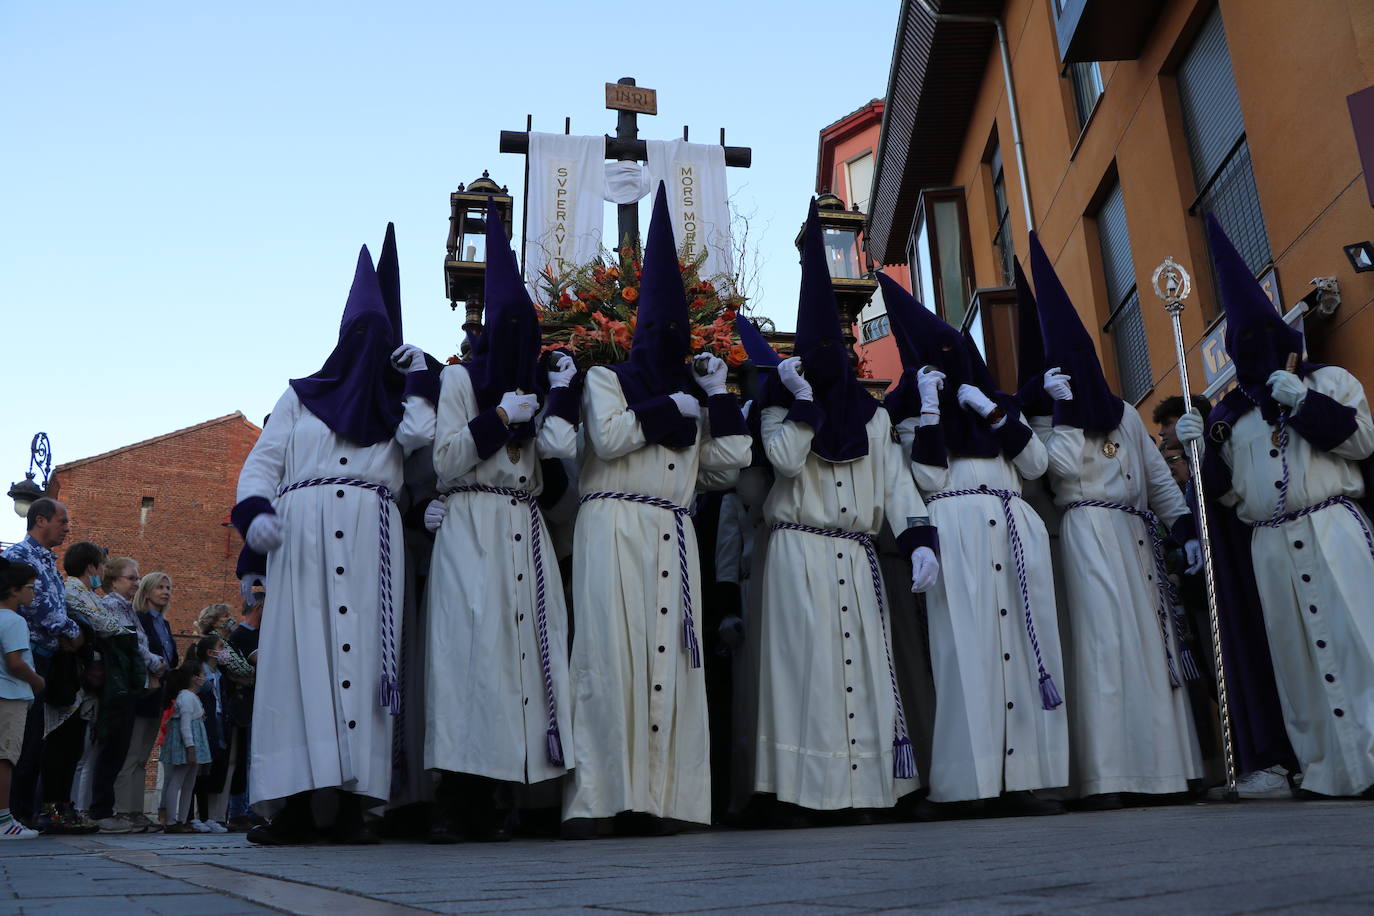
pixel 1002 239
pixel 858 175
pixel 875 328
pixel 939 254
pixel 1125 325
pixel 1087 89
pixel 1217 144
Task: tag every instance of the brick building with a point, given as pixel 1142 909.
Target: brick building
pixel 1111 128
pixel 165 502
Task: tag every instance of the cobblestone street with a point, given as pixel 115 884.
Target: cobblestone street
pixel 1270 857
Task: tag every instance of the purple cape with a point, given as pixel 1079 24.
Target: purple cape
pixel 657 366
pixel 841 408
pixel 356 393
pixel 1069 346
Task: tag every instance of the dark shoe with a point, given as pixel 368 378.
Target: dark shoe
pixel 579 828
pixel 927 810
pixel 785 816
pixel 280 832
pixel 1025 804
pixel 442 831
pixel 76 823
pixel 849 817
pixel 355 833
pixel 179 828
pixel 1107 801
pixel 662 826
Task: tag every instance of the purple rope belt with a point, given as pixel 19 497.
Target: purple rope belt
pixel 689 634
pixel 1168 595
pixel 1343 501
pixel 903 757
pixel 1050 697
pixel 553 742
pixel 389 693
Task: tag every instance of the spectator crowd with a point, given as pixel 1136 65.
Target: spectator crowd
pixel 95 685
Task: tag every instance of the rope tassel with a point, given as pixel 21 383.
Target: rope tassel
pixel 554 745
pixel 903 759
pixel 1049 693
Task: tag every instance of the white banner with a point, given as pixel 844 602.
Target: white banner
pixel 567 188
pixel 697 199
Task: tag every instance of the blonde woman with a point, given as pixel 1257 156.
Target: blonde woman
pixel 151 601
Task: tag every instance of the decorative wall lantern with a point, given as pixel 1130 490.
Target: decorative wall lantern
pixel 25 492
pixel 465 266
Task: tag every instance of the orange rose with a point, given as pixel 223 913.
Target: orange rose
pixel 737 356
pixel 630 293
pixel 452 361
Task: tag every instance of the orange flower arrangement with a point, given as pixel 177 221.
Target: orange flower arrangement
pixel 607 292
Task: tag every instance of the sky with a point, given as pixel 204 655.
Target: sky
pixel 186 186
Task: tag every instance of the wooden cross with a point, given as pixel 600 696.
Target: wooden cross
pixel 628 101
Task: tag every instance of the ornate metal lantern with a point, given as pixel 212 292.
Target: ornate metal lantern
pixel 849 274
pixel 465 266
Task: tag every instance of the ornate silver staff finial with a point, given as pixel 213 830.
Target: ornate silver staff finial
pixel 1177 287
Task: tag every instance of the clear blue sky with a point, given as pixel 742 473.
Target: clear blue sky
pixel 186 185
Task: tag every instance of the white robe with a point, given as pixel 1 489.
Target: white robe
pixel 1315 578
pixel 639 712
pixel 827 707
pixel 317 721
pixel 992 733
pixel 488 703
pixel 1132 730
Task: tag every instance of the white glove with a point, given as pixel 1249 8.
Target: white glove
pixel 519 408
pixel 687 405
pixel 561 375
pixel 1192 549
pixel 246 583
pixel 792 380
pixel 744 409
pixel 925 569
pixel 1189 427
pixel 929 382
pixel 971 397
pixel 713 381
pixel 264 533
pixel 434 514
pixel 731 631
pixel 408 358
pixel 1057 384
pixel 1286 388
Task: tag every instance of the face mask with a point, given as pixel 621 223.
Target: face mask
pixel 95 582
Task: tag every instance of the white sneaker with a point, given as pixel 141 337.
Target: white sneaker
pixel 216 827
pixel 13 830
pixel 199 826
pixel 114 824
pixel 1270 783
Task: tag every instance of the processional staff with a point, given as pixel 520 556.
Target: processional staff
pixel 1177 286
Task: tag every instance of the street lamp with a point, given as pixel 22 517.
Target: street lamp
pixel 465 266
pixel 26 491
pixel 852 281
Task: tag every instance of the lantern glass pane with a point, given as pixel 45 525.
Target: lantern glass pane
pixel 473 245
pixel 842 253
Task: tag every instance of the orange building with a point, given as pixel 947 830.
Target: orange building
pixel 165 502
pixel 1111 128
pixel 844 167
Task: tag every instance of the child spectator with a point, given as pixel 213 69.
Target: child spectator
pixel 211 653
pixel 19 683
pixel 184 745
